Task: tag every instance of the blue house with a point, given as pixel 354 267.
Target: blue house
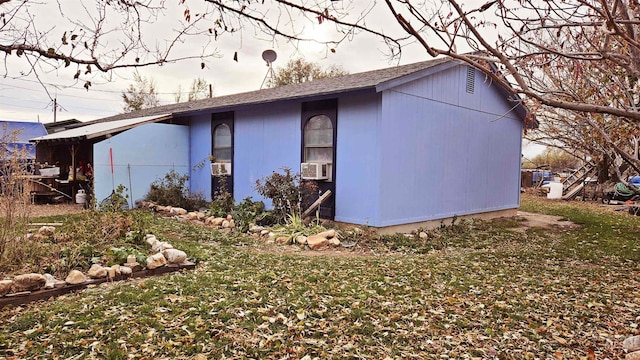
pixel 399 148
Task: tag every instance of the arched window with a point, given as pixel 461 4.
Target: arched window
pixel 318 139
pixel 222 143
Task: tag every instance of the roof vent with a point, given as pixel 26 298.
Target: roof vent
pixel 471 78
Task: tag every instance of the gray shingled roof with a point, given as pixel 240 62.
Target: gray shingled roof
pixel 347 83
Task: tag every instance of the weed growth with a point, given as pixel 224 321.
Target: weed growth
pixel 14 197
pixel 172 190
pixel 288 193
pixel 223 201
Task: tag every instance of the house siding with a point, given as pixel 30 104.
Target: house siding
pixel 357 157
pixel 266 139
pixel 140 156
pixel 444 152
pixel 199 152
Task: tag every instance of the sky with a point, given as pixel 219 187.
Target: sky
pixel 31 98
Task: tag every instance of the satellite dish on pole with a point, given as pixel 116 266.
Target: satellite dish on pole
pixel 269 56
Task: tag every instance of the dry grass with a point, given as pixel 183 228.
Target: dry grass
pixel 44 210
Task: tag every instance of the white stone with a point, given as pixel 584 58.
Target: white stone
pixel 131 258
pixel 5 287
pixel 116 269
pixel 155 261
pixel 126 271
pixel 47 231
pixel 150 239
pixel 632 343
pixel 256 228
pixel 301 239
pixel 52 282
pixel 160 246
pixel 177 211
pixel 111 272
pixel 264 232
pixel 174 256
pixel 96 271
pixel 28 282
pixel 134 266
pixel 226 224
pixel 327 234
pixel 633 356
pixel 316 242
pixel 334 241
pixel 75 277
pixel 423 235
pixel 214 221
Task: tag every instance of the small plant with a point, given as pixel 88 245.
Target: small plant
pixel 294 227
pixel 222 204
pixel 172 190
pixel 119 255
pixel 14 199
pixel 249 212
pixel 117 201
pixel 287 191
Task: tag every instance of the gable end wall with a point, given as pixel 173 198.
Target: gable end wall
pixel 446 152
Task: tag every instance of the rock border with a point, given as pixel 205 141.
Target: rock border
pixel 27 297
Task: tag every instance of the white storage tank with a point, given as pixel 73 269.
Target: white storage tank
pixel 81 197
pixel 555 190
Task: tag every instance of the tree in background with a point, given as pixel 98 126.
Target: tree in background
pixel 554 159
pixel 199 89
pixel 141 94
pixel 298 70
pixel 516 43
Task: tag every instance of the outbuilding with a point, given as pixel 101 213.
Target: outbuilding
pixel 399 148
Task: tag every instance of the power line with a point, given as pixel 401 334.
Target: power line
pixel 83 89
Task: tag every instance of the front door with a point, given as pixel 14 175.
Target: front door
pixel 222 153
pixel 319 129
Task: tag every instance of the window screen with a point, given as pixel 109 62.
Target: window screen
pixel 318 139
pixel 222 143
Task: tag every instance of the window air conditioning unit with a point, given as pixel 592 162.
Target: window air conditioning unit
pixel 219 169
pixel 315 171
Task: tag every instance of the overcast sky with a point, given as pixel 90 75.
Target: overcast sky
pixel 25 98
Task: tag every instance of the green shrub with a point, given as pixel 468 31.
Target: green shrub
pixel 223 201
pixel 172 190
pixel 294 227
pixel 249 212
pixel 288 193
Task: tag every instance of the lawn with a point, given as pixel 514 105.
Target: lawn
pixel 472 290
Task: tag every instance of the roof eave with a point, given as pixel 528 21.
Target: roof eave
pixel 417 75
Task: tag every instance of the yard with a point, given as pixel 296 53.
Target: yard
pixel 471 290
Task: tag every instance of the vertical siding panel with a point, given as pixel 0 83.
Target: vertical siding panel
pixel 443 153
pixel 141 155
pixel 267 138
pixel 199 151
pixel 358 160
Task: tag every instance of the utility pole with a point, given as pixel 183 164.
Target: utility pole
pixel 55 108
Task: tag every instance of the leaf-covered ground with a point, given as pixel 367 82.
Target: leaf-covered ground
pixel 483 291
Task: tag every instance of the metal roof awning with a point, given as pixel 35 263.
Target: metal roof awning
pixel 98 129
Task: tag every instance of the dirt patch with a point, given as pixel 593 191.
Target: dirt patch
pixel 41 210
pixel 531 220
